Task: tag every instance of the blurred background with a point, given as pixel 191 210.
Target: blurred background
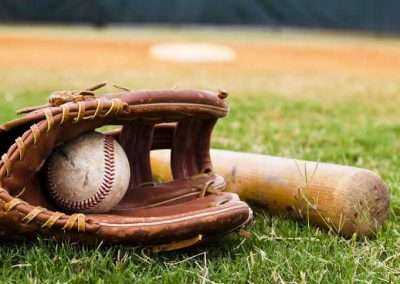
pixel 361 15
pixel 285 45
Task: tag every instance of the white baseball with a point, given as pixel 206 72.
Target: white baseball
pixel 90 174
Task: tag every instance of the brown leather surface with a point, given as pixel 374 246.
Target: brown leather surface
pixel 193 204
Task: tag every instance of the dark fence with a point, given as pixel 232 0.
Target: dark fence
pixel 362 15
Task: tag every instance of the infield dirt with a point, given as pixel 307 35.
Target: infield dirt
pixel 292 60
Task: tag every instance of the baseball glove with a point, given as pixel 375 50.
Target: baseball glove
pixel 165 216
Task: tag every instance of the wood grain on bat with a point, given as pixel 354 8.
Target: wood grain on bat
pixel 342 198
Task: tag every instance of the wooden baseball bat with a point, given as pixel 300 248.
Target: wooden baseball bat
pixel 345 199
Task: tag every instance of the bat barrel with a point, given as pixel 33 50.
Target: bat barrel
pixel 345 199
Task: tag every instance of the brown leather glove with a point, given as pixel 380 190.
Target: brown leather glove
pixel 166 216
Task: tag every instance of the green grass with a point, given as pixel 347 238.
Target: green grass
pixel 355 128
pixel 350 130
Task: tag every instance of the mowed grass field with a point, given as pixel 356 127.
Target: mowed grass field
pixel 319 96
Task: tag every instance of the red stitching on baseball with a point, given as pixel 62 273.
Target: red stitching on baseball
pixel 105 186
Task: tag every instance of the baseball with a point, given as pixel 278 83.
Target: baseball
pixel 90 174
